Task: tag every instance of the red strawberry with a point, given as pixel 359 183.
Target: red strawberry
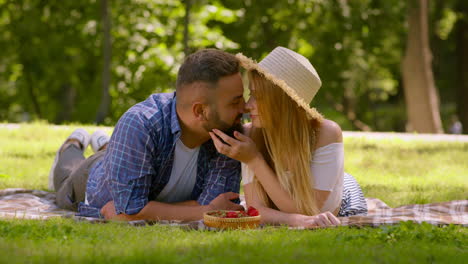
pixel 231 215
pixel 252 211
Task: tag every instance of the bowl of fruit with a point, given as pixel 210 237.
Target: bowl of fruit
pixel 225 219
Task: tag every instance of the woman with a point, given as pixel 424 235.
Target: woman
pixel 292 159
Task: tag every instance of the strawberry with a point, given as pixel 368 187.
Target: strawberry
pixel 231 214
pixel 252 211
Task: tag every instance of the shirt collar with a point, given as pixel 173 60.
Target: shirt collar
pixel 175 126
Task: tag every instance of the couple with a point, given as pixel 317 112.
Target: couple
pixel 178 155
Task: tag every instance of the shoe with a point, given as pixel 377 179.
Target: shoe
pixel 79 134
pixel 98 140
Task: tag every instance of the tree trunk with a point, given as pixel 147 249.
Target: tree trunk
pixel 349 109
pixel 422 101
pixel 188 5
pixel 462 63
pixel 349 112
pixel 106 71
pixel 33 95
pixel 68 94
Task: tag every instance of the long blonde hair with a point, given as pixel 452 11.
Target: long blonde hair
pixel 289 139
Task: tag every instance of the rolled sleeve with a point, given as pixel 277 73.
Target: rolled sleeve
pixel 223 176
pixel 130 198
pixel 129 164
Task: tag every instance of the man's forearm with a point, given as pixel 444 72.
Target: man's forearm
pixel 186 211
pixel 189 202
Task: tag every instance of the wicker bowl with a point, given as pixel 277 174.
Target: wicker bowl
pixel 247 222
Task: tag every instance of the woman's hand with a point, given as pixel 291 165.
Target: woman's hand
pixel 241 148
pixel 321 220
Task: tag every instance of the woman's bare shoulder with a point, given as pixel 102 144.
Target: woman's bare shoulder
pixel 329 132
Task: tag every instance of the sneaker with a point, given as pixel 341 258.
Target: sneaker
pixel 98 140
pixel 79 134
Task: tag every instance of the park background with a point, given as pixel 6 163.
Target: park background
pixel 388 65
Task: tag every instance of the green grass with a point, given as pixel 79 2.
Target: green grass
pixel 405 172
pixel 65 241
pixel 27 153
pixel 395 171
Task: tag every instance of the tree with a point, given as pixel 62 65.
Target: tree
pixel 56 63
pixel 461 32
pixel 104 106
pixel 49 55
pixel 350 44
pixel 420 92
pixel 188 5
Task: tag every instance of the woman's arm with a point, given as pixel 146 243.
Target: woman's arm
pixel 329 133
pixel 244 150
pixel 272 216
pixel 267 178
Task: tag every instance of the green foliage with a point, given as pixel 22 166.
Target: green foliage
pixel 445 25
pixel 51 52
pixel 46 48
pixel 349 42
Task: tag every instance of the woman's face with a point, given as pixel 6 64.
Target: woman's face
pixel 251 106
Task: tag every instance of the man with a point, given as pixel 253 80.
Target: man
pixel 160 162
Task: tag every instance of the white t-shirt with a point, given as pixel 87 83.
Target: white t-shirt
pixel 327 168
pixel 183 175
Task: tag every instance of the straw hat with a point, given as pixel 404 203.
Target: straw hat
pixel 290 71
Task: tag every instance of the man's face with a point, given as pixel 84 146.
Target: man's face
pixel 227 105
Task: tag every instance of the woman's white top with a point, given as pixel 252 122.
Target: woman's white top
pixel 327 168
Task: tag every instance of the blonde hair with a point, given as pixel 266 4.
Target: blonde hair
pixel 289 142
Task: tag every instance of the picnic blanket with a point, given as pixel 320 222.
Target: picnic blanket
pixel 36 204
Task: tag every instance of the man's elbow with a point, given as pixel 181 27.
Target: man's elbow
pixel 127 217
pixel 109 212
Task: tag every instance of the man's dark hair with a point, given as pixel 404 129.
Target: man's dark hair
pixel 207 65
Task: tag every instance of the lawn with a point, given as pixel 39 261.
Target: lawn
pixel 395 171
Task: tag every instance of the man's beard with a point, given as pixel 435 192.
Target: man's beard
pixel 216 122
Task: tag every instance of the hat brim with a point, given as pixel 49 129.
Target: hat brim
pixel 250 64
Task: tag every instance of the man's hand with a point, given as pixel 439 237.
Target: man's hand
pixel 223 202
pixel 108 211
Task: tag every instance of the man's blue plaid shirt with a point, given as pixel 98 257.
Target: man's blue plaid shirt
pixel 139 158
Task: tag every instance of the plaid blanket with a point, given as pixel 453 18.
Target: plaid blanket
pixel 452 212
pixel 30 204
pixel 36 204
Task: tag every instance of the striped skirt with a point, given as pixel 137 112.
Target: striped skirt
pixel 353 202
